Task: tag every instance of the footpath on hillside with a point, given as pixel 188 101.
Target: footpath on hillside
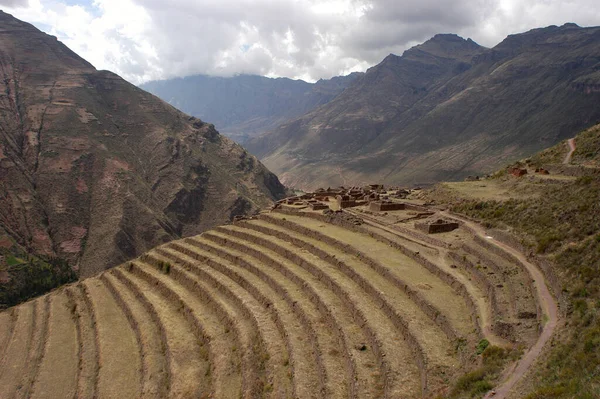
pixel 571 144
pixel 547 301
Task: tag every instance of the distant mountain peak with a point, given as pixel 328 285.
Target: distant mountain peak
pixel 447 37
pixel 446 45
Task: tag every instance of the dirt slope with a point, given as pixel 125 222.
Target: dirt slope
pixel 95 171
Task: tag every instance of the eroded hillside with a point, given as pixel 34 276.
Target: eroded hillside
pixel 95 171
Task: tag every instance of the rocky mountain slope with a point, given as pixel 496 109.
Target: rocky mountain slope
pixel 95 171
pixel 443 110
pixel 245 106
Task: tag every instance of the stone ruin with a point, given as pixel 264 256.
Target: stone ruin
pixel 382 206
pixel 436 226
pixel 517 172
pixel 374 195
pixel 345 201
pixel 542 171
pixel 316 205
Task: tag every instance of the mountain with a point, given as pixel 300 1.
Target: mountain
pixel 245 106
pixel 95 171
pixel 443 110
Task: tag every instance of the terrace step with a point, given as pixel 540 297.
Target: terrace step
pixel 186 354
pixel 433 289
pixel 36 347
pixel 335 369
pixel 246 306
pixel 88 365
pixel 155 375
pixel 14 364
pixel 7 327
pixel 57 377
pixel 366 312
pixel 418 327
pixel 210 328
pixel 523 309
pixel 120 363
pixel 365 383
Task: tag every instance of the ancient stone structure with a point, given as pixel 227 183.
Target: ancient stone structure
pixel 518 172
pixel 436 226
pixel 382 206
pixel 345 201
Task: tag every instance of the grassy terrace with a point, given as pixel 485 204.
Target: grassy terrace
pixel 556 217
pixel 278 306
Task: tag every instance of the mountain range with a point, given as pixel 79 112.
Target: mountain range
pixel 244 106
pixel 443 110
pixel 95 171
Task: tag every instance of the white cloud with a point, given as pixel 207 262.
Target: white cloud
pixel 311 39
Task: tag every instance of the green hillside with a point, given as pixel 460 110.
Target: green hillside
pixel 556 217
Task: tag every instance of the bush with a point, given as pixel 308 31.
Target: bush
pixel 482 345
pixel 33 276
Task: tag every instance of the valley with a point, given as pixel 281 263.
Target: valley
pixel 432 230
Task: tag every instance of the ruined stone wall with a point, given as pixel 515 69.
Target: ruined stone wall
pixel 434 228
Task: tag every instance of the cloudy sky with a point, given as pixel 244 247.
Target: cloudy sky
pixel 144 40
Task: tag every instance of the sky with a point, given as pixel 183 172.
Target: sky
pixel 144 40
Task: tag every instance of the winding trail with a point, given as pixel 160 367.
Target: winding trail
pixel 571 144
pixel 547 302
pixel 485 316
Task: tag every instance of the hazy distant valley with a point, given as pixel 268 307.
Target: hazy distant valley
pixel 243 107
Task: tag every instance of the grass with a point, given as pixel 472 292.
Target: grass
pixel 31 276
pixel 12 260
pixel 587 150
pixel 492 360
pixel 562 224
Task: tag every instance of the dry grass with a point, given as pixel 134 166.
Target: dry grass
pixel 561 223
pixel 283 305
pixel 58 371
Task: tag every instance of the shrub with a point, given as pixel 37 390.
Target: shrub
pixel 467 381
pixel 482 345
pixel 33 276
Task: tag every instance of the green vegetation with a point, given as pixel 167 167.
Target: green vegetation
pixel 164 267
pixel 563 224
pixel 482 379
pixel 482 346
pixel 587 150
pixel 565 213
pixel 28 276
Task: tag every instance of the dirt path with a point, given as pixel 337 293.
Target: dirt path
pixel 547 302
pixel 571 144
